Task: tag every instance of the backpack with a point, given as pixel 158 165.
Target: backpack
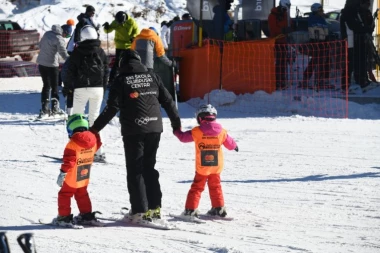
pixel 91 70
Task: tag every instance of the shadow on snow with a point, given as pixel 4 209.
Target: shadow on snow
pixel 322 177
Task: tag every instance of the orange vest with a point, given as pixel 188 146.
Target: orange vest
pixel 209 153
pixel 79 175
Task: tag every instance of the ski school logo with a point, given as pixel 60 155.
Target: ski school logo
pixel 134 95
pixel 202 146
pixel 84 160
pixel 143 121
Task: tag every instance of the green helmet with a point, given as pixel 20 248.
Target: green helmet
pixel 75 123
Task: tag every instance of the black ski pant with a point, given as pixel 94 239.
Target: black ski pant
pixel 142 178
pixel 319 64
pixel 50 76
pixel 115 65
pixel 350 56
pixel 360 59
pixel 281 56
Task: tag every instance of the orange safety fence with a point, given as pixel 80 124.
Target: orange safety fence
pixel 309 77
pixel 19 42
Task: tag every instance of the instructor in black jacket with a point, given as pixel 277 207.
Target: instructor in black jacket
pixel 139 94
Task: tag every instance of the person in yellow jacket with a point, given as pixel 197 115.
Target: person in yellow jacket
pixel 126 29
pixel 75 173
pixel 148 44
pixel 208 137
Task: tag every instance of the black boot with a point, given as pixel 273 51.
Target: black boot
pixel 45 111
pixel 55 107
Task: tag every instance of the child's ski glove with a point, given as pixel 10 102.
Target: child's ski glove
pixel 236 149
pixel 61 178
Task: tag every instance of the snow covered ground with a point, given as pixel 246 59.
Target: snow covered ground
pixel 298 184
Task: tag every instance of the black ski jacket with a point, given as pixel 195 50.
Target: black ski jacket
pixel 86 47
pixel 84 20
pixel 139 95
pixel 360 21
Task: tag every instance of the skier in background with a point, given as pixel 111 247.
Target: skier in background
pixel 126 29
pixel 51 46
pixel 84 19
pixel 87 76
pixel 319 64
pixel 148 45
pixel 278 24
pixel 75 173
pixel 165 33
pixel 359 22
pixel 208 137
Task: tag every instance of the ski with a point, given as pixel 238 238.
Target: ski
pixel 187 218
pixel 52 157
pixel 51 118
pixel 370 87
pixel 125 221
pixel 351 90
pixel 214 217
pixel 52 223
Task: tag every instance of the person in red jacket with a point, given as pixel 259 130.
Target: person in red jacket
pixel 208 137
pixel 75 172
pixel 279 24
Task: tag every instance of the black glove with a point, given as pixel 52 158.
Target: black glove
pixel 66 91
pixel 106 25
pixel 236 149
pixel 176 124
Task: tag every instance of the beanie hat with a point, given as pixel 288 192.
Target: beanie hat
pixel 67 29
pixel 127 56
pixel 153 29
pixel 70 22
pixel 90 8
pixel 164 23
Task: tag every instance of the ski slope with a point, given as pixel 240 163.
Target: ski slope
pixel 297 184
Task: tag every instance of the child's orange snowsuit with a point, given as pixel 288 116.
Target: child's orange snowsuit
pixel 77 160
pixel 208 138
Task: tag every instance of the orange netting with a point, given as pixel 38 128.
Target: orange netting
pixel 282 78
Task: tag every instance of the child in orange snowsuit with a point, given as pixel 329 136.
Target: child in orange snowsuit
pixel 208 137
pixel 75 171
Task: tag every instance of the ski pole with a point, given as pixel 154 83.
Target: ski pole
pixel 4 246
pixel 108 49
pixel 175 84
pixel 26 242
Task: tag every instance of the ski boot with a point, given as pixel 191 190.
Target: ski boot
pixel 217 211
